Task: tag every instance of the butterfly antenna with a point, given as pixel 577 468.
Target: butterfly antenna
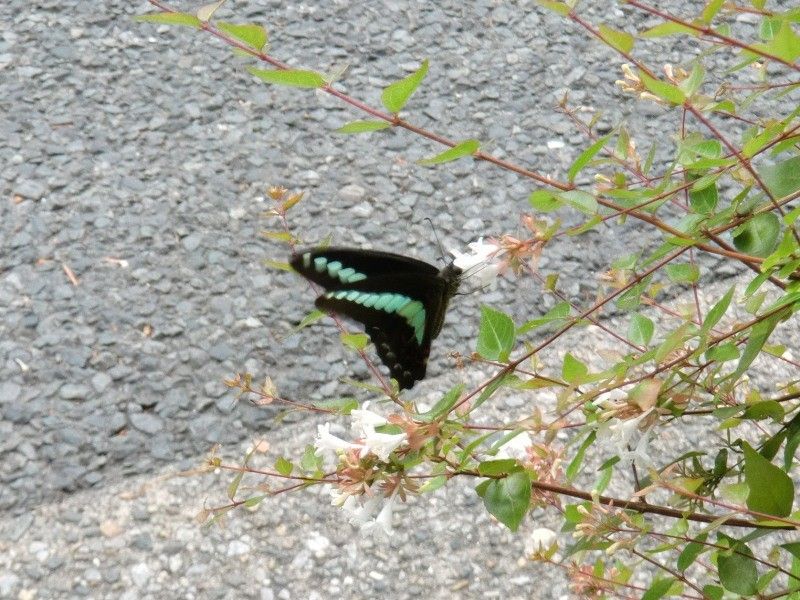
pixel 438 241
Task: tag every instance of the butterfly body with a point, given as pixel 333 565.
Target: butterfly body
pixel 401 301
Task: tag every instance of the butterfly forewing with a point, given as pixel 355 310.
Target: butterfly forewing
pixel 399 300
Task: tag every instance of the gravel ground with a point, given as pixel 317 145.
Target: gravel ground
pixel 132 279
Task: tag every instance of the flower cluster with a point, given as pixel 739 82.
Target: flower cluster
pixel 363 492
pixel 368 440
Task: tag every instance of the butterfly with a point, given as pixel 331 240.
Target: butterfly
pixel 401 301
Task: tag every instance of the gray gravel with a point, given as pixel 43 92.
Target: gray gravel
pixel 135 160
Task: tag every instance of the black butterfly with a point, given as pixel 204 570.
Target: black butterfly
pixel 401 301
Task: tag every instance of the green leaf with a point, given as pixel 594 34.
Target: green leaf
pixel 683 273
pixel 769 27
pixel 310 462
pixel 792 548
pixel 661 89
pixel 713 592
pixel 759 236
pixel 737 571
pixel 501 466
pixel 433 484
pixel 574 371
pixel 555 315
pixel 343 406
pixel 356 341
pixel 544 201
pixel 254 36
pixel 711 10
pixel 619 40
pixel 583 201
pixel 465 148
pixel 557 7
pixel 574 466
pixel 717 312
pixel 659 588
pixel 691 551
pixel 757 142
pixel 496 335
pixel 759 334
pixel 641 329
pixel 723 352
pixel 766 409
pixel 782 178
pixel 491 389
pixel 443 406
pixel 691 84
pixel 585 156
pixel 792 441
pixel 283 466
pixel 668 28
pixel 508 499
pixel 312 317
pixel 785 44
pixel 171 18
pixel 704 200
pixel 395 95
pixel 233 486
pixel 278 264
pixel 254 501
pixel 771 489
pixel 289 77
pixel 363 126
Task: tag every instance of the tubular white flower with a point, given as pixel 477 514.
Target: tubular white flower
pixel 382 444
pixel 480 261
pixel 365 420
pixel 617 435
pixel 360 509
pixel 541 540
pixel 383 522
pixel 516 447
pixel 326 441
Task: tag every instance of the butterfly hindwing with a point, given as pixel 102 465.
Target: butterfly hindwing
pixel 400 301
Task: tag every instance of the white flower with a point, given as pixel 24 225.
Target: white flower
pixel 365 420
pixel 639 455
pixel 618 434
pixel 327 441
pixel 359 509
pixel 516 447
pixel 542 539
pixel 382 444
pixel 479 263
pixel 383 522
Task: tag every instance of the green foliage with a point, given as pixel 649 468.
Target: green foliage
pixel 363 126
pixel 465 148
pixel 771 489
pixel 291 78
pixel 758 236
pixel 496 335
pixel 721 184
pixel 356 341
pixel 171 18
pixel 443 406
pixel 396 95
pixel 254 36
pixel 507 499
pixel 641 330
pixel 737 569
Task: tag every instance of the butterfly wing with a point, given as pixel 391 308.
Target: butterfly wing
pixel 399 300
